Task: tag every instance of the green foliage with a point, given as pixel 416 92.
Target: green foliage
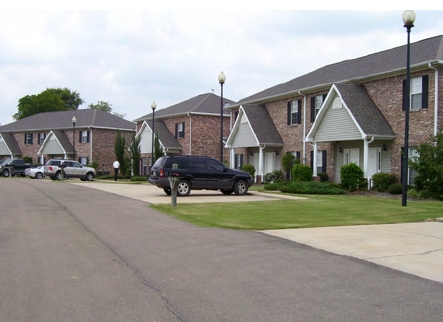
pixel 381 181
pixel 351 177
pixel 27 159
pixel 301 172
pixel 324 177
pixel 50 100
pixel 311 187
pixel 119 150
pixel 395 189
pixel 94 165
pixel 249 168
pixel 273 186
pixel 288 161
pixel 429 167
pixel 274 176
pixel 135 152
pixel 106 107
pixel 139 178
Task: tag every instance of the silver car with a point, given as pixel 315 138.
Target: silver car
pixel 35 173
pixel 71 169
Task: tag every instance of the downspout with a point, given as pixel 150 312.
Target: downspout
pixel 90 144
pixel 304 126
pixel 435 99
pixel 190 133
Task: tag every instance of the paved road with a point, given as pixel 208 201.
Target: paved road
pixel 71 253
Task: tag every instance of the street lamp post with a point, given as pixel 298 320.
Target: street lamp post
pixel 408 20
pixel 74 120
pixel 221 80
pixel 153 106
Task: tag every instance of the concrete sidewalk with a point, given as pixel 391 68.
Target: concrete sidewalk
pixel 415 248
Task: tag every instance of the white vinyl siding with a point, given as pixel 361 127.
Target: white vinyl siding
pixel 244 137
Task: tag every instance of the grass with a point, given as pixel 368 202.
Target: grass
pixel 317 211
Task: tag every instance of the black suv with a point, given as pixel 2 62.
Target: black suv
pixel 197 172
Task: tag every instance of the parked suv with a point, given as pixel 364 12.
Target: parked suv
pixel 198 173
pixel 71 169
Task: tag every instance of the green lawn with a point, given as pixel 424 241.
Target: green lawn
pixel 317 211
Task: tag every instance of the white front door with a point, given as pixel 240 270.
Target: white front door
pixel 374 161
pixel 352 156
pixel 270 159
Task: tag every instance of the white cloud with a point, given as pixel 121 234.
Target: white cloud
pixel 131 58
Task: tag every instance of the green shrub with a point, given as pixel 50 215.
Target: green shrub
pixel 272 186
pixel 274 176
pixel 351 177
pixel 382 181
pixel 249 168
pixel 324 177
pixel 301 172
pixel 27 160
pixel 312 187
pixel 395 189
pixel 139 178
pixel 106 177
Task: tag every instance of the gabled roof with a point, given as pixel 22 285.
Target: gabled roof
pixel 166 138
pixel 365 115
pixel 11 143
pixel 260 123
pixel 93 118
pixel 356 70
pixel 61 138
pixel 202 104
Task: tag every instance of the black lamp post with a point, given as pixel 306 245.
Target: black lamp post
pixel 73 140
pixel 153 106
pixel 408 20
pixel 221 80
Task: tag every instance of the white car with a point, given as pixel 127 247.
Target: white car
pixel 35 173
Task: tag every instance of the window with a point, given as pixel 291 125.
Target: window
pixel 180 130
pixel 238 161
pixel 418 94
pixel 83 160
pixel 316 103
pixel 41 138
pixel 28 138
pixel 294 112
pixel 84 137
pixel 321 161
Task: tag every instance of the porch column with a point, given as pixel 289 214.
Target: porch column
pixel 314 162
pixel 260 163
pixel 365 157
pixel 231 158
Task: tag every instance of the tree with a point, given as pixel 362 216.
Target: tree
pixel 135 152
pixel 119 149
pixel 105 106
pixel 50 100
pixel 429 167
pixel 288 161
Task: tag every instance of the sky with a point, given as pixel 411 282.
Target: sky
pixel 130 58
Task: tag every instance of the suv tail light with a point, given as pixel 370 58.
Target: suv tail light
pixel 161 173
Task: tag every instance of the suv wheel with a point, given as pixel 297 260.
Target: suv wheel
pixel 184 188
pixel 89 176
pixel 5 173
pixel 167 191
pixel 226 191
pixel 240 188
pixel 58 176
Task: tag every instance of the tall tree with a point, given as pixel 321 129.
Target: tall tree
pixel 50 100
pixel 135 152
pixel 105 106
pixel 119 149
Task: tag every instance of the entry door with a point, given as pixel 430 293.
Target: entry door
pixel 270 160
pixel 352 156
pixel 374 161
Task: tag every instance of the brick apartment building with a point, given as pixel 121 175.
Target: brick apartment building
pixel 51 135
pixel 351 111
pixel 191 127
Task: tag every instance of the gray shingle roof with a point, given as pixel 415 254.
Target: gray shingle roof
pixel 262 125
pixel 64 141
pixel 63 120
pixel 11 142
pixel 367 115
pixel 201 104
pixel 167 138
pixel 422 52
